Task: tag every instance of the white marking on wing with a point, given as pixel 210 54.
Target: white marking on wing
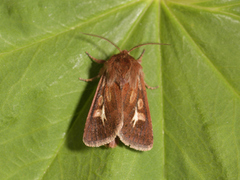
pixel 101 113
pixel 137 116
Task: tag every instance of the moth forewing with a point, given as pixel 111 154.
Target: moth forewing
pixel 104 119
pixel 137 125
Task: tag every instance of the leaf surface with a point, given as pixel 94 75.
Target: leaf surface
pixel 43 105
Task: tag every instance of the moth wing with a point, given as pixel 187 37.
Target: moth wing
pixel 137 124
pixel 105 117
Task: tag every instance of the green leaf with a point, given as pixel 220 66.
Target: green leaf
pixel 43 105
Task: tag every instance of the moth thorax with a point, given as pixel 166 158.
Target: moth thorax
pixel 122 65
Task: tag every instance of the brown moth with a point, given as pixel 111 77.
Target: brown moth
pixel 120 106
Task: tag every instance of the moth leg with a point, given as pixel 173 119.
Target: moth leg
pixel 91 79
pixel 149 87
pixel 139 60
pixel 99 61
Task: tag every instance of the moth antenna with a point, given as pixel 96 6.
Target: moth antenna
pixel 146 44
pixel 102 38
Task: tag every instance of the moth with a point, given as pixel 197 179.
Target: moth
pixel 120 106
